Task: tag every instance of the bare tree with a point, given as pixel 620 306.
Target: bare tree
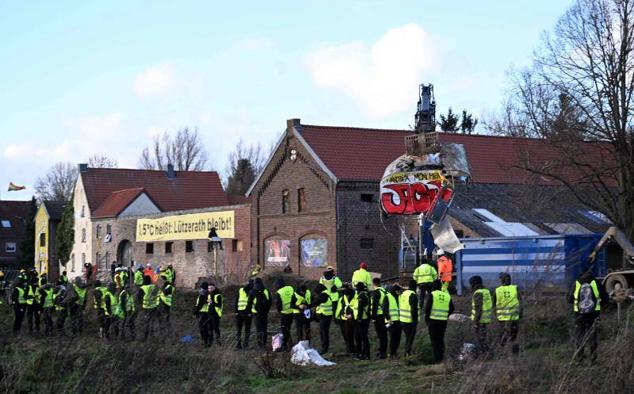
pixel 184 150
pixel 58 183
pixel 102 161
pixel 579 90
pixel 245 162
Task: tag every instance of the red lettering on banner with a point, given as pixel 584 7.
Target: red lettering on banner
pixel 414 198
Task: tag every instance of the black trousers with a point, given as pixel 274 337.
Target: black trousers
pixel 409 329
pixel 349 328
pixel 127 324
pixel 423 290
pixel 204 323
pixel 77 319
pixel 324 332
pixel 302 327
pixel 286 322
pixel 62 314
pixel 509 334
pixel 586 333
pixel 243 320
pixel 149 322
pixel 214 327
pixel 33 317
pixel 437 330
pixel 361 338
pixel 395 337
pixel 47 315
pixel 20 311
pixel 262 328
pixel 482 340
pixel 104 324
pixel 381 333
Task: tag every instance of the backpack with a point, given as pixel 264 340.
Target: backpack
pixel 586 301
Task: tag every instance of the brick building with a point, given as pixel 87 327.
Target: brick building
pixel 321 183
pixel 13 217
pixel 109 203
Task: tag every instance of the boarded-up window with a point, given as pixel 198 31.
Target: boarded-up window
pixel 189 246
pixel 149 248
pixel 168 247
pixel 366 243
pixel 286 201
pixel 301 200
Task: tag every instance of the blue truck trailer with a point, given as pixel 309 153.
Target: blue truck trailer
pixel 551 260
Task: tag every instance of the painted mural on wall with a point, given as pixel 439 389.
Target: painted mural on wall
pixel 314 252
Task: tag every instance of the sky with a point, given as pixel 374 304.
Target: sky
pixel 84 78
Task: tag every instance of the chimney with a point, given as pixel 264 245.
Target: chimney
pixel 170 171
pixel 83 167
pixel 290 123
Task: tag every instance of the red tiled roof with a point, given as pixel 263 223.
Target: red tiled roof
pixel 363 154
pixel 187 190
pixel 116 202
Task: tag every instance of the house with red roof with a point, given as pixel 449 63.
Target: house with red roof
pixel 316 202
pixel 112 204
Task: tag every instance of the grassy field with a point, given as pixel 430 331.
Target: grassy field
pixel 89 364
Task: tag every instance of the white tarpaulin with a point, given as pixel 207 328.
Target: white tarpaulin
pixel 302 354
pixel 445 238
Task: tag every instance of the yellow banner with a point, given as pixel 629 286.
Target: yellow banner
pixel 192 226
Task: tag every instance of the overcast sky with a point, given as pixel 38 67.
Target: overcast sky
pixel 78 79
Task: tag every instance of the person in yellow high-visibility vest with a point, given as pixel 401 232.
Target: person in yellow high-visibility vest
pixel 391 314
pixel 438 307
pixel 587 296
pixel 408 315
pixel 243 314
pixel 362 275
pixel 481 314
pixel 284 300
pixel 508 308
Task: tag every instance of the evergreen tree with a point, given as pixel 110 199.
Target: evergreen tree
pixel 27 247
pixel 66 233
pixel 242 176
pixel 450 122
pixel 468 122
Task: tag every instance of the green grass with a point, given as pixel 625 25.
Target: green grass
pixel 88 364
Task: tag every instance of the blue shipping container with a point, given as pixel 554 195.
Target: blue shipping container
pixel 549 259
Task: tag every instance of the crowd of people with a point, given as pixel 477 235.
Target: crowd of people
pixel 394 311
pixel 117 304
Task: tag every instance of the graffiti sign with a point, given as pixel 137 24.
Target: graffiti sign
pixel 410 193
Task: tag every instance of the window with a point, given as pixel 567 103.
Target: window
pixel 367 197
pixel 189 246
pixel 366 243
pixel 97 256
pixel 72 262
pixel 108 229
pixel 83 235
pixel 286 201
pixel 237 245
pixel 6 223
pixel 301 200
pixel 168 247
pixel 149 248
pixel 98 231
pixel 42 240
pixel 9 247
pixel 83 211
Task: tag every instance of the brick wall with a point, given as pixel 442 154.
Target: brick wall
pixel 317 220
pixel 361 220
pixel 189 266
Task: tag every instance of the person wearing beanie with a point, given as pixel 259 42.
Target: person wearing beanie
pixel 481 314
pixel 345 314
pixel 242 311
pixel 378 315
pixel 438 307
pixel 216 304
pixel 201 312
pixel 362 275
pixel 260 304
pixel 332 283
pixel 303 297
pixel 391 313
pixel 324 311
pixel 408 315
pixel 361 313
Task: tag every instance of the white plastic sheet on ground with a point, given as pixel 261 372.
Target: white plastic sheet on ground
pixel 302 354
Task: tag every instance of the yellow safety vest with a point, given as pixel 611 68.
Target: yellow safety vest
pixel 439 305
pixel 21 299
pixel 507 303
pixel 243 299
pixel 379 309
pixel 354 304
pixel 424 273
pixel 487 306
pixel 255 300
pixel 341 307
pixel 325 308
pixel 286 295
pixel 393 307
pixel 218 304
pixel 205 307
pixel 299 299
pixel 49 300
pixel 405 309
pixel 81 295
pixel 595 291
pixel 150 297
pixel 165 298
pixel 361 275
